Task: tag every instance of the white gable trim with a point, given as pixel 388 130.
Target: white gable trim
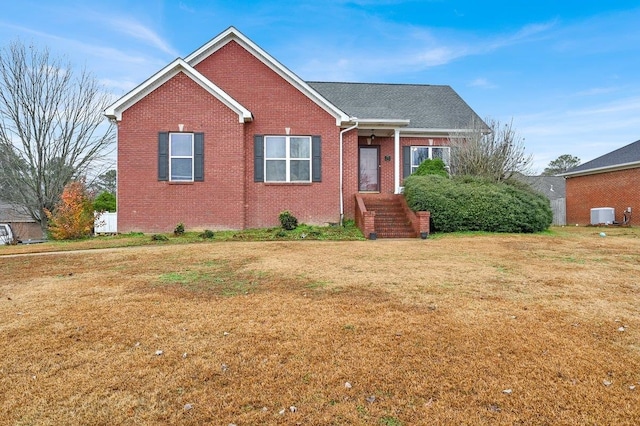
pixel 232 34
pixel 179 65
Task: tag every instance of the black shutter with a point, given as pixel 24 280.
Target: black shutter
pixel 163 156
pixel 316 158
pixel 258 158
pixel 406 161
pixel 198 157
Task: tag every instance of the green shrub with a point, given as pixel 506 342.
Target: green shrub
pixel 105 202
pixel 288 220
pixel 207 234
pixel 432 167
pixel 476 204
pixel 179 229
pixel 159 237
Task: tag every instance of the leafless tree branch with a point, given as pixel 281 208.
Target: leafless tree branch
pixel 52 130
pixel 491 150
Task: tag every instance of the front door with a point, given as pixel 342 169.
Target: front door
pixel 369 166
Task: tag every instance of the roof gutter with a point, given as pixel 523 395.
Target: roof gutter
pixel 597 170
pixel 384 122
pixel 342 132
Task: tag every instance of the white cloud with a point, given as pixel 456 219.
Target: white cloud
pixel 438 55
pixel 615 107
pixel 406 48
pixel 584 132
pixel 594 91
pixel 115 86
pixel 186 8
pixel 482 83
pixel 141 32
pixel 89 49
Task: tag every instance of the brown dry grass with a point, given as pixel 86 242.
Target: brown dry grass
pixel 435 330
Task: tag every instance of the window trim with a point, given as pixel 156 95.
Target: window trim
pixel 288 159
pixel 192 157
pixel 198 159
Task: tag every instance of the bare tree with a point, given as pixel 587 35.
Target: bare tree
pixel 490 149
pixel 52 130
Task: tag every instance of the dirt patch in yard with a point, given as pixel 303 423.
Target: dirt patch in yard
pixel 479 329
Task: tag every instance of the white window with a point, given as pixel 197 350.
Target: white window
pixel 181 157
pixel 421 153
pixel 287 158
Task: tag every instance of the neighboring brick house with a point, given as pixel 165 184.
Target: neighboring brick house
pixel 612 180
pixel 23 225
pixel 228 137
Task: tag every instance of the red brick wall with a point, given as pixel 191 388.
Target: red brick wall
pixel 619 189
pixel 229 198
pixel 276 105
pixel 144 203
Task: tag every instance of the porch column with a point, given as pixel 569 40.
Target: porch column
pixel 396 160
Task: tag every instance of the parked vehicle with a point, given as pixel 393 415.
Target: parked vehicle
pixel 6 234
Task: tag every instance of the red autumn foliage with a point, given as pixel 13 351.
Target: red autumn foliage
pixel 73 216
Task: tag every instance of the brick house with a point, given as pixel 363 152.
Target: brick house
pixel 23 225
pixel 612 180
pixel 228 137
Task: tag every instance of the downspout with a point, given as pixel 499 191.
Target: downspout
pixel 396 162
pixel 342 132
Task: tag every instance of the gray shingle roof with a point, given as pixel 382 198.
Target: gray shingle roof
pixel 627 154
pixel 551 186
pixel 426 106
pixel 12 213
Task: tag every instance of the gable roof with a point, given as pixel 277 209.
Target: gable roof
pixel 626 157
pixel 179 65
pixel 232 34
pixel 424 107
pixel 419 109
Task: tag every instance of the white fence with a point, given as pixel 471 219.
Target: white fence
pixel 105 223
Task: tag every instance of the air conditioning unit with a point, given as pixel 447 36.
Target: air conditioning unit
pixel 600 215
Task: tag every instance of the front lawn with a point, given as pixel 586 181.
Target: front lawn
pixel 458 329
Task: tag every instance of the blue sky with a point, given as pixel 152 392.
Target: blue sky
pixel 567 73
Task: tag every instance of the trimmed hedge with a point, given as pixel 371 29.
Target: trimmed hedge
pixel 476 204
pixel 432 167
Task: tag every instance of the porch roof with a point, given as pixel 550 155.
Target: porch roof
pixel 425 106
